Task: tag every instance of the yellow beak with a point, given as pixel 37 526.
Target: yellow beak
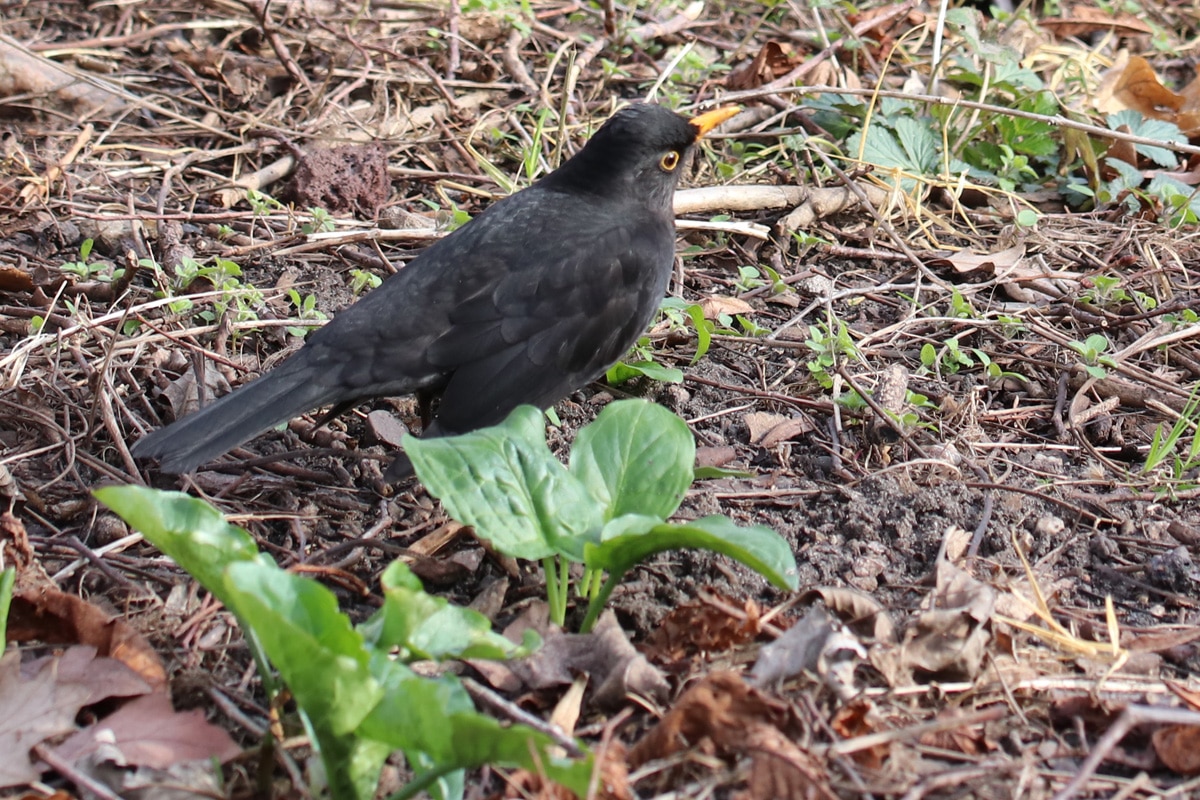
pixel 711 119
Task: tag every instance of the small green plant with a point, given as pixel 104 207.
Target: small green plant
pixel 607 510
pixel 1165 443
pixel 225 276
pixel 829 341
pixel 1106 292
pixel 961 307
pixel 361 279
pixel 261 203
pixel 321 222
pixel 355 693
pixel 306 309
pixel 1092 350
pixel 1185 317
pixel 749 277
pixel 86 270
pixel 640 361
pixel 950 358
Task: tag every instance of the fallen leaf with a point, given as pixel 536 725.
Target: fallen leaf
pixel 965 261
pixel 102 677
pixel 605 655
pixel 714 307
pixel 31 711
pixel 768 430
pixel 949 640
pixel 1178 746
pixel 1080 21
pixel 15 280
pixel 148 732
pixel 722 713
pixel 773 60
pixel 702 627
pixel 56 618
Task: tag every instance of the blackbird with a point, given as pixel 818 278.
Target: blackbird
pixel 534 298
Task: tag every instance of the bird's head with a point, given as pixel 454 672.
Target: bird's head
pixel 638 154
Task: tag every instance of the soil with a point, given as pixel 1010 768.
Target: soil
pixel 1042 465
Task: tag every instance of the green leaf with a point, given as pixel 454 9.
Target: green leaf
pixel 622 371
pixel 436 718
pixel 324 662
pixel 628 540
pixel 194 534
pixel 429 627
pixel 7 578
pixel 504 482
pixel 322 658
pixel 708 473
pixel 636 458
pixel 920 145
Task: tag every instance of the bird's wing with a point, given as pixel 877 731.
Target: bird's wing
pixel 535 298
pixel 552 326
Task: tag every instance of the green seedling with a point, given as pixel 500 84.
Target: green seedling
pixel 361 279
pixel 950 358
pixel 355 693
pixel 1092 350
pixel 607 510
pixel 86 270
pixel 225 276
pixel 306 309
pixel 8 578
pixel 261 203
pixel 829 342
pixel 321 222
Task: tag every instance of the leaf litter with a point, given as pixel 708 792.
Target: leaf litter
pixel 978 675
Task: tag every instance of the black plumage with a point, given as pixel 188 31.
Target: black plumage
pixel 532 299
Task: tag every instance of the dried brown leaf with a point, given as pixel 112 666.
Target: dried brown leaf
pixel 1178 746
pixel 148 732
pixel 32 711
pixel 702 627
pixel 54 617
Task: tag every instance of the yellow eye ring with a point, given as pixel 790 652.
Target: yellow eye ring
pixel 669 161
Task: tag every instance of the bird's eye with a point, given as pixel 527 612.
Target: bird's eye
pixel 669 161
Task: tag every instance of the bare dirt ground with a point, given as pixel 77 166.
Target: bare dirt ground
pixel 434 110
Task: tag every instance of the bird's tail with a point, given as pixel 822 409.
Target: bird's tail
pixel 239 416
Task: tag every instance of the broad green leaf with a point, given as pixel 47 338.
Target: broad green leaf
pixel 324 662
pixel 311 643
pixel 194 534
pixel 436 718
pixel 628 540
pixel 636 458
pixel 429 627
pixel 7 578
pixel 504 482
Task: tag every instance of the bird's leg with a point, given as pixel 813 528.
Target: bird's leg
pixel 425 408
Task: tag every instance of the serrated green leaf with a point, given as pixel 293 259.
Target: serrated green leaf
pixel 920 145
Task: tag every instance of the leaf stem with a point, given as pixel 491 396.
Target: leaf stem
pixel 599 599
